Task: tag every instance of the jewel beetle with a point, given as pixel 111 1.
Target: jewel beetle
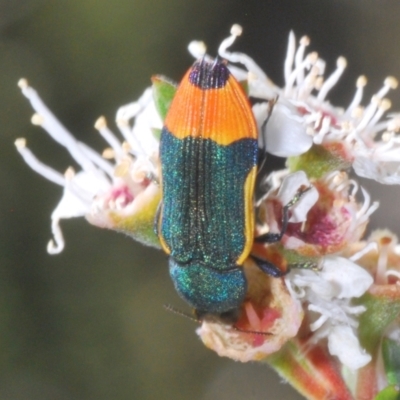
pixel 205 222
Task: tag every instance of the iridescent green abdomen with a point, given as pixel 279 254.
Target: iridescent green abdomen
pixel 203 214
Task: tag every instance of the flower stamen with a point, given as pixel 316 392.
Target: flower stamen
pixel 197 49
pixel 241 58
pixel 304 42
pixel 42 169
pixel 333 79
pixel 101 126
pixel 360 84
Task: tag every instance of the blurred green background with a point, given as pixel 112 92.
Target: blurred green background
pixel 89 324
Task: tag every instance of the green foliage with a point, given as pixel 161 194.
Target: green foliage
pixel 391 360
pixel 163 93
pixel 389 393
pixel 317 162
pixel 380 312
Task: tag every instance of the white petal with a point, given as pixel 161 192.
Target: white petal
pixel 342 273
pixel 140 136
pixel 343 343
pixel 78 194
pixel 286 133
pixel 384 172
pixel 56 245
pixel 239 73
pixel 301 209
pixel 325 290
pixel 70 205
pixel 290 187
pixel 262 90
pixel 260 111
pixel 142 129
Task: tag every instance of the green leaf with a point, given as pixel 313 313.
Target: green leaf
pixel 318 161
pixel 389 393
pixel 391 360
pixel 311 370
pixel 140 224
pixel 383 306
pixel 245 86
pixel 163 92
pixel 156 133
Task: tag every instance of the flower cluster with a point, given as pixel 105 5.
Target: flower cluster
pixel 114 189
pixel 330 326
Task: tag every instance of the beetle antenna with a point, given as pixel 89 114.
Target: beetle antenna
pixel 251 332
pixel 168 307
pixel 202 61
pixel 271 105
pixel 217 60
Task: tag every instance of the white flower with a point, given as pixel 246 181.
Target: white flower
pixel 285 134
pixel 380 254
pixel 269 308
pixel 326 218
pixel 289 187
pixel 343 343
pixel 100 186
pixel 303 115
pixel 327 295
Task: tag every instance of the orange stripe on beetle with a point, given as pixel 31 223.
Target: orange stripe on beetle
pixel 222 114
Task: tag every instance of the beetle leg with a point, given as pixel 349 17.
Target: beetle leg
pixel 276 237
pixel 269 268
pixel 262 168
pixel 157 219
pixel 262 186
pixel 272 270
pixel 262 142
pixel 153 178
pixel 270 237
